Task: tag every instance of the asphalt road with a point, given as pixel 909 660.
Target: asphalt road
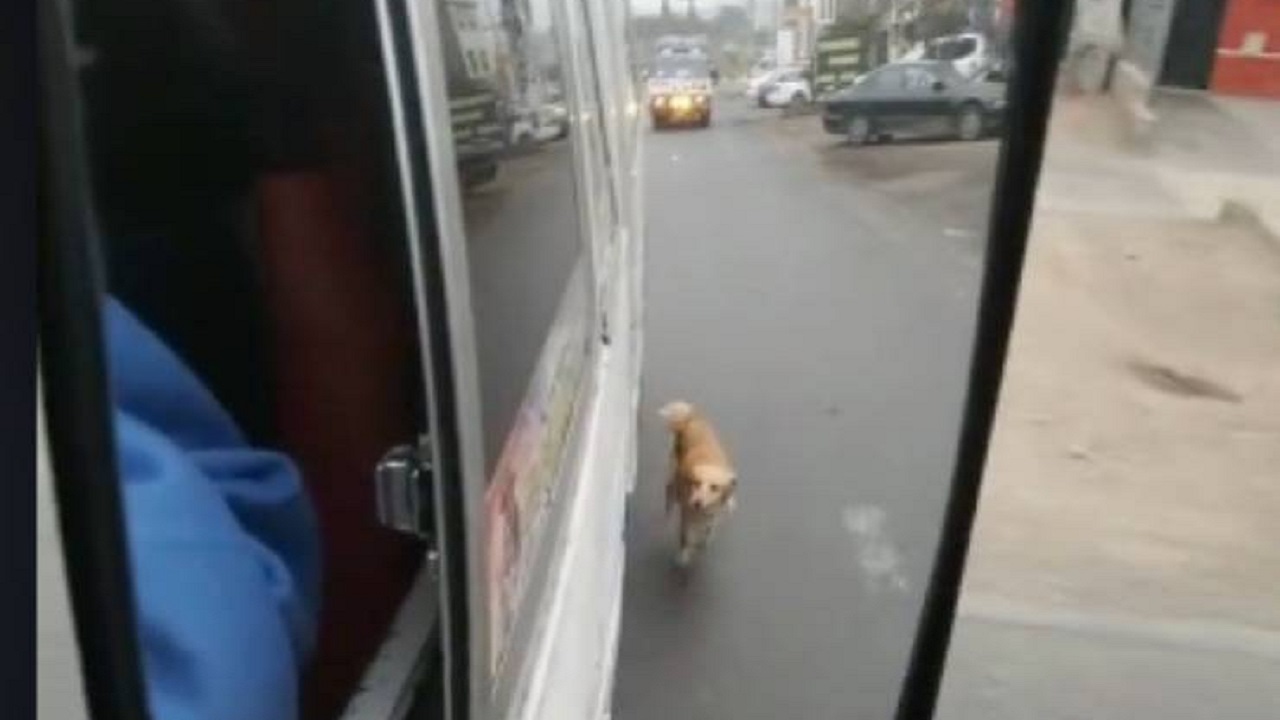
pixel 818 302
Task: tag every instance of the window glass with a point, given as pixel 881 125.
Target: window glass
pixel 952 49
pixel 681 66
pixel 812 275
pixel 918 78
pixel 526 221
pixel 887 79
pixel 524 239
pixel 596 160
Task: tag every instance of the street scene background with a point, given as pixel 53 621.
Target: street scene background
pixel 818 300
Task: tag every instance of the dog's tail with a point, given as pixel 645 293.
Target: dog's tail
pixel 676 413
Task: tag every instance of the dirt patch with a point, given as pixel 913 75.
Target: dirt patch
pixel 1135 464
pixel 1175 382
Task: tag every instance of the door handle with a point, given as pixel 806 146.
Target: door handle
pixel 403 489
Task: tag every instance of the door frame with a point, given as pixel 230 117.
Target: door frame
pixel 412 34
pixel 442 298
pixel 76 409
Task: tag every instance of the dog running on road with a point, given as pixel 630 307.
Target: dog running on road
pixel 702 482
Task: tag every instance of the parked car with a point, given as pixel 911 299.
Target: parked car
pixel 925 98
pixel 757 80
pixel 557 115
pixel 531 127
pixel 761 73
pixel 786 87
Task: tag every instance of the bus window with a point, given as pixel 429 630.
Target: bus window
pixel 599 148
pixel 510 129
pixel 528 213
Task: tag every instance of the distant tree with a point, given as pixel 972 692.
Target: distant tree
pixel 942 17
pixel 732 21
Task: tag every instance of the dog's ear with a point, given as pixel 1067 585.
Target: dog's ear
pixel 676 413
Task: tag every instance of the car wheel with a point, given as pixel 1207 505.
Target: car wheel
pixel 706 121
pixel 969 123
pixel 797 100
pixel 857 130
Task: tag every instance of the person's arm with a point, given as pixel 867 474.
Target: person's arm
pixel 222 541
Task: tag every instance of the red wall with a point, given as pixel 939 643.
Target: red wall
pixel 1256 75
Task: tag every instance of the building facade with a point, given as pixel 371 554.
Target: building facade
pixel 1247 57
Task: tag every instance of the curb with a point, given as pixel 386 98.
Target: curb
pixel 1238 212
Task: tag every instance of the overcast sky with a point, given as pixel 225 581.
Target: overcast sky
pixel 705 7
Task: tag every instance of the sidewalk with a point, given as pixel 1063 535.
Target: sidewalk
pixel 1205 153
pixel 1126 560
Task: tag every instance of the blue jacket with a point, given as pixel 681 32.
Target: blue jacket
pixel 222 539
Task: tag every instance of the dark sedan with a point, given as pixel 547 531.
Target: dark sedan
pixel 917 99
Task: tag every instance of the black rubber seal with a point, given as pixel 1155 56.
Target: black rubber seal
pixel 1037 38
pixel 76 394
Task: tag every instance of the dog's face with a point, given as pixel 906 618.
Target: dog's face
pixel 710 487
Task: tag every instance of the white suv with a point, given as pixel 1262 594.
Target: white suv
pixel 787 87
pixel 760 75
pixel 968 53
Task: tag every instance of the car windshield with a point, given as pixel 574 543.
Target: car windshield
pixel 681 67
pixel 920 78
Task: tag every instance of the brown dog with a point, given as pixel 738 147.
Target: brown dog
pixel 702 481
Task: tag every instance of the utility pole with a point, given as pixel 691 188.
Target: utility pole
pixel 893 30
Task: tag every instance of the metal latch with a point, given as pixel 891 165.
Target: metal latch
pixel 402 486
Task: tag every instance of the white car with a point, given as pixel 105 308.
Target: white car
pixel 786 88
pixel 756 80
pixel 762 70
pixel 968 53
pixel 533 127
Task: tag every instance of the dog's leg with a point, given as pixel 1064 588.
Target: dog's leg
pixel 684 554
pixel 673 479
pixel 712 525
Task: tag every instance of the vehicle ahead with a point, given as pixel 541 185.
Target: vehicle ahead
pixel 680 87
pixel 790 87
pixel 916 99
pixel 968 53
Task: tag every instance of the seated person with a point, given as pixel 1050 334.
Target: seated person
pixel 222 540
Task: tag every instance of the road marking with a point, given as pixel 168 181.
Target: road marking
pixel 952 232
pixel 877 556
